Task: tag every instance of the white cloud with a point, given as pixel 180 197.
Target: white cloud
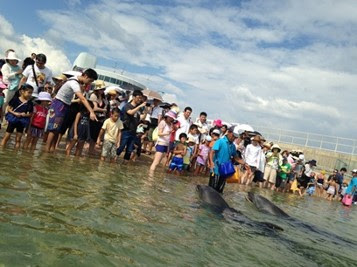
pixel 290 63
pixel 24 45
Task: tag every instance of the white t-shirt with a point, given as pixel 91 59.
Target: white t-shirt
pixel 184 126
pixel 194 137
pixel 43 76
pixel 252 155
pixel 202 128
pixel 68 89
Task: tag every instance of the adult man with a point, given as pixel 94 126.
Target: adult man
pixel 184 121
pixel 37 75
pixel 202 125
pixel 131 118
pixel 222 151
pixel 60 105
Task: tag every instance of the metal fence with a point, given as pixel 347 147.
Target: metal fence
pixel 324 142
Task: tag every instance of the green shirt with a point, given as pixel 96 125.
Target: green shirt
pixel 284 170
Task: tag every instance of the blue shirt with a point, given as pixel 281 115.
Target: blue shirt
pixel 224 151
pixel 352 184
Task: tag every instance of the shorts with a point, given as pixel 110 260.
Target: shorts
pixel 176 163
pixel 283 183
pixel 12 126
pixel 58 111
pixel 36 132
pixel 109 149
pixel 269 174
pixel 331 190
pixel 161 148
pixel 258 176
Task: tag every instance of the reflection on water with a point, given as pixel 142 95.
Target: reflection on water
pixel 63 211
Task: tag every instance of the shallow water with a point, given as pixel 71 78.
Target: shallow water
pixel 58 211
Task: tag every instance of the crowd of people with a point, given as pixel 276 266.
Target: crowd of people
pixel 95 116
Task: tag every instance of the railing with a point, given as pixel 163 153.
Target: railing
pixel 324 142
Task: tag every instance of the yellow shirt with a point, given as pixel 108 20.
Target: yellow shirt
pixel 111 129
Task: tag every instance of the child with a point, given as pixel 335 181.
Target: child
pixel 140 132
pixel 202 157
pixel 179 152
pixel 112 133
pixel 113 102
pixel 19 112
pixel 331 190
pixel 38 120
pixel 187 159
pixel 80 130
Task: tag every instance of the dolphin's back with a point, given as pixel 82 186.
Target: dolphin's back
pixel 211 197
pixel 267 206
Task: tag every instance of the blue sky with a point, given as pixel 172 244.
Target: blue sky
pixel 287 64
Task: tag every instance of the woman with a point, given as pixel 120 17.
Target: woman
pixel 273 161
pixel 352 187
pixel 12 74
pixel 165 130
pixel 101 109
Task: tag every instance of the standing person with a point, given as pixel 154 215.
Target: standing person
pixel 222 152
pixel 352 187
pixel 100 110
pixel 184 122
pixel 202 125
pixel 282 177
pixel 79 131
pixel 259 172
pixel 252 158
pixel 164 132
pixel 19 112
pixel 307 174
pixel 339 178
pixel 37 75
pixel 274 160
pixel 60 105
pixel 320 183
pixel 38 120
pixel 155 118
pixel 202 155
pixel 179 152
pixel 224 130
pixel 12 74
pixel 111 129
pixel 131 120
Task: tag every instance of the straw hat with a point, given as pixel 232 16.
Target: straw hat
pixel 61 77
pixel 99 85
pixel 12 56
pixel 44 96
pixel 112 92
pixel 267 145
pixel 256 138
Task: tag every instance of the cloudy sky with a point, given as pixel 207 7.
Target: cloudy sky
pixel 281 64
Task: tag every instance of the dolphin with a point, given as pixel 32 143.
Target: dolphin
pixel 215 201
pixel 266 206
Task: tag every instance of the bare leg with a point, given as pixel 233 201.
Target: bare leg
pixel 156 161
pixel 79 148
pixel 50 139
pixel 27 142
pixel 70 146
pixel 34 143
pixel 18 140
pixel 5 139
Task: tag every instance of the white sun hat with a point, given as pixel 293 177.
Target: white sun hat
pixel 44 96
pixel 12 56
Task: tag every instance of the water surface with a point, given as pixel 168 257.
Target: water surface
pixel 60 211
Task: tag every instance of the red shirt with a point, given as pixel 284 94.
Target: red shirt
pixel 39 117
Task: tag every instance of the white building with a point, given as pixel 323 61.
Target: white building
pixel 85 61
